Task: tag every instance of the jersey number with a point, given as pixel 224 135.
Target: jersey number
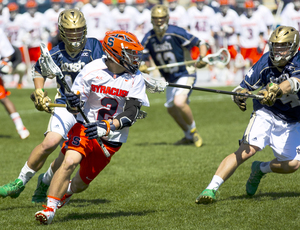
pixel 168 57
pixel 111 106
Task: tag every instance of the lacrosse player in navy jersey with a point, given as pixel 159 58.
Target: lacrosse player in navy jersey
pixel 70 55
pixel 275 118
pixel 165 44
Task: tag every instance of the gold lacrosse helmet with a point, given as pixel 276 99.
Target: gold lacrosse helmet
pixel 72 28
pixel 160 19
pixel 283 45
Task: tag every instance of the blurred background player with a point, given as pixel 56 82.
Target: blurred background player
pixel 226 27
pixel 177 14
pixel 4 15
pixel 124 17
pixel 201 20
pixel 292 16
pixel 109 4
pixel 143 19
pixel 166 44
pixel 97 16
pixel 14 31
pixel 68 4
pixel 6 51
pixel 119 70
pixel 251 36
pixel 50 21
pixel 70 55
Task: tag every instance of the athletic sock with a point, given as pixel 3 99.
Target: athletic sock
pixel 26 174
pixel 52 202
pixel 17 120
pixel 69 190
pixel 215 183
pixel 187 133
pixel 265 167
pixel 48 176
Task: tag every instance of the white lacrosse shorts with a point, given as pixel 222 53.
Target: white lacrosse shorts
pixel 266 129
pixel 61 121
pixel 172 91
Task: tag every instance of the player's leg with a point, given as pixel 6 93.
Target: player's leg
pixel 59 186
pixel 10 108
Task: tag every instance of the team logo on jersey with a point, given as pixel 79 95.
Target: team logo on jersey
pixel 162 47
pixel 85 54
pixel 72 67
pixel 109 90
pixel 250 72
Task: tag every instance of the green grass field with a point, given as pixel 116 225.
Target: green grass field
pixel 151 184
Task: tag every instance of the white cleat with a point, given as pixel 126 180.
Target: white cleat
pixel 66 198
pixel 45 216
pixel 24 133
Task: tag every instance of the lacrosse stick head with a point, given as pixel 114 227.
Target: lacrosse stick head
pixel 124 49
pixel 72 28
pixel 222 57
pixel 160 19
pixel 154 85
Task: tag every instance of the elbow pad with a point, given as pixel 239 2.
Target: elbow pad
pixel 130 114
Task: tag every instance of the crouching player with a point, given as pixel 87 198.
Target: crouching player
pixel 113 91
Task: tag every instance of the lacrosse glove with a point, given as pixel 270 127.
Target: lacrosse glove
pixel 73 102
pixel 241 100
pixel 98 129
pixel 200 64
pixel 270 93
pixel 40 98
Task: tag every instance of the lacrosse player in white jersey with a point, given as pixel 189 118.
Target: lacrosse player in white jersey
pixel 144 19
pixel 291 17
pixel 178 14
pixel 124 17
pixel 6 52
pixel 251 36
pixel 113 91
pixel 50 23
pixel 4 15
pixel 97 18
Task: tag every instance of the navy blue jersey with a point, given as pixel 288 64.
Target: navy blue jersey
pixel 263 72
pixel 169 50
pixel 69 66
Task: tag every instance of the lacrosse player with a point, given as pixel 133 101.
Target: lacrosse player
pixel 292 16
pixel 177 14
pixel 275 119
pixel 113 91
pixel 6 52
pixel 70 56
pixel 165 44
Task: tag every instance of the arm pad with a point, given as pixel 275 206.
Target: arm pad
pixel 131 111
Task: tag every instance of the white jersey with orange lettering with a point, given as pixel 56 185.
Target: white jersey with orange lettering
pixel 201 22
pixel 126 20
pixel 251 28
pixel 104 93
pixel 291 18
pixel 144 24
pixel 97 19
pixel 15 31
pixel 178 17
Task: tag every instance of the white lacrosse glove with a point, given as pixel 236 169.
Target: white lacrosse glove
pixel 46 72
pixel 154 85
pixel 40 99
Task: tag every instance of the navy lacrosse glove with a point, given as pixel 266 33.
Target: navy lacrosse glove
pixel 98 129
pixel 73 101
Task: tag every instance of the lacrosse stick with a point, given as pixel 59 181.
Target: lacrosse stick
pixel 221 57
pixel 154 86
pixel 55 70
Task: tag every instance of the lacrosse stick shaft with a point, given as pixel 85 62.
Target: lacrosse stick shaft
pixel 172 65
pixel 56 105
pixel 259 97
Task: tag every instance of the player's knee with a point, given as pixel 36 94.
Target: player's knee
pixel 180 103
pixel 69 163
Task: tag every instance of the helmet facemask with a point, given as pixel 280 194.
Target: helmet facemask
pixel 173 5
pixel 160 25
pixel 296 4
pixel 200 5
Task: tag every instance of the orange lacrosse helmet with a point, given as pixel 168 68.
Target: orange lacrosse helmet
pixel 140 1
pixel 107 2
pixel 224 2
pixel 12 6
pixel 249 4
pixel 199 0
pixel 123 48
pixel 31 4
pixel 121 1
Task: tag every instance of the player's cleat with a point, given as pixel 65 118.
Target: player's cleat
pixel 254 179
pixel 45 216
pixel 40 193
pixel 208 196
pixel 12 189
pixel 24 133
pixel 197 139
pixel 66 198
